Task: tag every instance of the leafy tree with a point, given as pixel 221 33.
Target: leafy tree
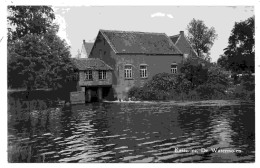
pixel 183 85
pixel 37 57
pixel 217 75
pixel 223 61
pixel 197 74
pixel 201 37
pixel 25 20
pixel 39 61
pixel 239 55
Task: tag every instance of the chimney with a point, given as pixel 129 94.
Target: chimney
pixel 182 33
pixel 84 42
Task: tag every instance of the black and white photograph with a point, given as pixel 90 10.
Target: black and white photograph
pixel 130 83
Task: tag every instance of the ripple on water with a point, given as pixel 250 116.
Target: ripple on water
pixel 149 143
pixel 121 147
pixel 128 132
pixel 144 160
pixel 129 158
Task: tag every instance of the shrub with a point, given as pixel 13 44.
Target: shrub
pixel 160 87
pixel 246 89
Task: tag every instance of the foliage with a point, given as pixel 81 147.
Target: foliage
pixel 39 61
pixel 197 74
pixel 217 75
pixel 239 55
pixel 158 88
pixel 162 86
pixel 29 20
pixel 37 57
pixel 183 85
pixel 162 81
pixel 223 62
pixel 201 37
pixel 194 83
pixel 246 89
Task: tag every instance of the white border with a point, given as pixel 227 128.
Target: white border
pixel 3 14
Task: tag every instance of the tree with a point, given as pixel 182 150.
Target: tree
pixel 223 61
pixel 240 52
pixel 25 20
pixel 37 57
pixel 201 37
pixel 39 61
pixel 197 74
pixel 183 85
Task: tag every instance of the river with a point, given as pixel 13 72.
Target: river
pixel 209 131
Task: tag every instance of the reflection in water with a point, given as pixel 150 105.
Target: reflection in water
pixel 131 132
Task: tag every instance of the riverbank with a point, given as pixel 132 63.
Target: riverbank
pixel 188 103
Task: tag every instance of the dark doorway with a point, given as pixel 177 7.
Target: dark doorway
pixel 108 93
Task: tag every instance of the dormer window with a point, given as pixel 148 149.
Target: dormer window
pixel 174 68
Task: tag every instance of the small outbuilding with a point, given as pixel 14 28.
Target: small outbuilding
pixel 95 78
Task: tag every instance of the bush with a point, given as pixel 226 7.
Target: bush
pixel 160 87
pixel 246 89
pixel 215 85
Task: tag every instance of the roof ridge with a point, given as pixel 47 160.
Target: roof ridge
pixel 91 63
pixel 108 41
pixel 87 58
pixel 174 35
pixel 175 46
pixel 124 31
pixel 105 63
pixel 191 45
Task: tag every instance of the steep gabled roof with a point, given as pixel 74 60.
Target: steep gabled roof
pixel 90 64
pixel 88 47
pixel 174 38
pixel 129 42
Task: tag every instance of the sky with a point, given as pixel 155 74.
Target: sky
pixel 83 22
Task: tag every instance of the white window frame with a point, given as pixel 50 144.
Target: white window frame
pixel 128 71
pixel 143 71
pixel 89 75
pixel 174 69
pixel 102 74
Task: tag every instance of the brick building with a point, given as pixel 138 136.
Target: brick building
pixel 135 57
pixel 95 78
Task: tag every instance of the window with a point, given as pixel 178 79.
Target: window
pixel 102 74
pixel 128 72
pixel 143 71
pixel 173 68
pixel 89 75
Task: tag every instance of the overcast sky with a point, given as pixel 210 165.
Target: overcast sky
pixel 78 23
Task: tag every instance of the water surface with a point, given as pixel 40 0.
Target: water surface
pixel 134 132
